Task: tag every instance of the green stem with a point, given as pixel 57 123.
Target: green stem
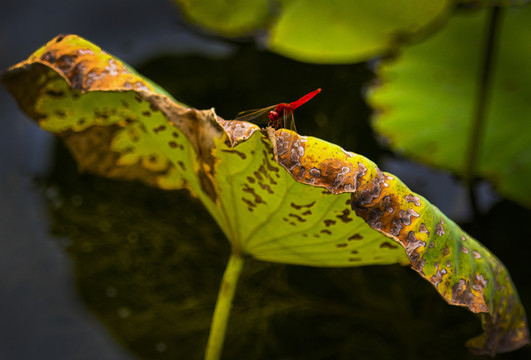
pixel 223 306
pixel 480 111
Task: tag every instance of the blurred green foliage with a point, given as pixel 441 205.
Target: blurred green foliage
pixel 337 31
pixel 427 100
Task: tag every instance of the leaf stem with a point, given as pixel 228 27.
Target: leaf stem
pixel 220 318
pixel 480 112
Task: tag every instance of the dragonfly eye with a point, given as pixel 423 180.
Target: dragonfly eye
pixel 273 115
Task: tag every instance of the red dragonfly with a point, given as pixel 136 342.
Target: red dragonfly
pixel 278 116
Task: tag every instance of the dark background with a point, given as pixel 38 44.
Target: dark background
pixel 96 269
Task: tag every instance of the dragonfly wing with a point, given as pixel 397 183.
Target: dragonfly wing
pixel 259 116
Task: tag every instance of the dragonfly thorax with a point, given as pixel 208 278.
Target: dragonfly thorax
pixel 279 111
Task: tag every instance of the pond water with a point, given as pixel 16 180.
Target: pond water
pixel 97 269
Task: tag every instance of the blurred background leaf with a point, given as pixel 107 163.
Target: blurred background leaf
pixel 425 101
pixel 342 31
pixel 230 18
pixel 337 31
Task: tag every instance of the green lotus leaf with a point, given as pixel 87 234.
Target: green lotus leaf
pixel 426 101
pixel 276 195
